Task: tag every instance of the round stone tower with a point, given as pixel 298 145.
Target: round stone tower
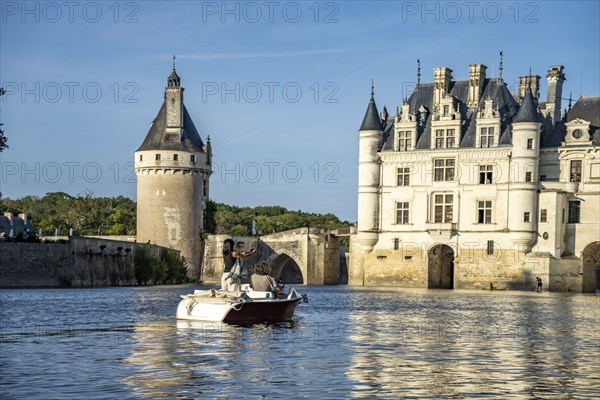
pixel 370 133
pixel 524 170
pixel 172 167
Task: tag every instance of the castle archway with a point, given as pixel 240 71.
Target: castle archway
pixel 440 268
pixel 285 268
pixel 590 260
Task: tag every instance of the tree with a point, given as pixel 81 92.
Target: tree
pixel 3 140
pixel 143 265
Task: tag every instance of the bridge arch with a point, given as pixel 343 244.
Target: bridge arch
pixel 287 269
pixel 590 259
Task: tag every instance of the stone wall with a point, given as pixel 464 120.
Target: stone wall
pixel 472 269
pixel 78 262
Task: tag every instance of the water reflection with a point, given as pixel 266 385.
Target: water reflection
pixel 475 345
pixel 347 342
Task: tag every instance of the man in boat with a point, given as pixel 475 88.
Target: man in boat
pixel 261 281
pixel 231 278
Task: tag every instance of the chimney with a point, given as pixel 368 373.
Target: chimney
pixel 9 216
pixel 476 81
pixel 23 218
pixel 555 77
pixel 441 83
pixel 525 82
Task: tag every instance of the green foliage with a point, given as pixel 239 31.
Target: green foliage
pixel 86 214
pixel 235 220
pixel 3 139
pixel 143 265
pixel 176 266
pixel 89 215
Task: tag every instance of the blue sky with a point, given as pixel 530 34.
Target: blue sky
pixel 281 87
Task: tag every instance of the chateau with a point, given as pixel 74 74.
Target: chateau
pixel 469 185
pixel 173 166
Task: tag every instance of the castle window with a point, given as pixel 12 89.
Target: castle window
pixel 205 188
pixel 444 138
pixel 486 174
pixel 443 208
pixel 574 211
pixel 490 247
pixel 404 140
pixel 575 171
pixel 439 138
pixel 529 144
pixel 563 216
pixel 446 110
pixel 193 158
pixel 396 244
pixel 141 157
pixel 403 176
pixel 528 176
pixel 484 212
pixel 175 157
pixel 486 137
pixel 543 178
pixel 527 217
pixel 402 212
pixel 443 169
pixel 157 157
pixel 543 215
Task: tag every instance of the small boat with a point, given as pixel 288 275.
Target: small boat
pixel 244 307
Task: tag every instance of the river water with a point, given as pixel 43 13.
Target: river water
pixel 345 343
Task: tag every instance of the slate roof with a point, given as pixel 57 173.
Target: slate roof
pixel 155 139
pixel 586 108
pixel 528 112
pixel 371 121
pixel 421 105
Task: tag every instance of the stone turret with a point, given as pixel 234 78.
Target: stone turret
pixel 370 134
pixel 524 170
pixel 173 166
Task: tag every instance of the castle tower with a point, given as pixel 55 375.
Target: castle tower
pixel 370 134
pixel 172 167
pixel 524 167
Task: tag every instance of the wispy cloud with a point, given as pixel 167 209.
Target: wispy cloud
pixel 251 55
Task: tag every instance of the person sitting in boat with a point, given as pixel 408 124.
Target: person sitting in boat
pixel 231 278
pixel 261 281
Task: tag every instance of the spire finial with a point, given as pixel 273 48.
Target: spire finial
pixel 570 99
pixel 173 62
pixel 500 68
pixel 372 87
pixel 418 72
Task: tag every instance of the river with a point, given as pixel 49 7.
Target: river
pixel 345 343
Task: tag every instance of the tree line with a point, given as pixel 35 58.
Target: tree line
pixel 90 215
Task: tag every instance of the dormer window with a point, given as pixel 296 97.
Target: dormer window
pixel 486 137
pixel 404 140
pixel 444 138
pixel 577 133
pixel 446 110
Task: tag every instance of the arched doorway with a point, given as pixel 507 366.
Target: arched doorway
pixel 285 268
pixel 590 261
pixel 440 271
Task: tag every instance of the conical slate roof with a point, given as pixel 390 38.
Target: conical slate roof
pixel 371 121
pixel 528 111
pixel 155 139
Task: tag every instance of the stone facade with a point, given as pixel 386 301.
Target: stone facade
pixel 466 187
pixel 173 167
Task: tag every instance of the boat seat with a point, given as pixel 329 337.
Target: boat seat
pixel 254 294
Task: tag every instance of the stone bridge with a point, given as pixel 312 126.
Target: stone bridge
pixel 308 256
